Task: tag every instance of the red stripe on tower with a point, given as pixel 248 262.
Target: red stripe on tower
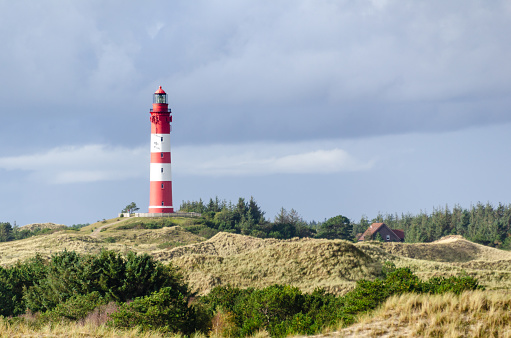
pixel 160 197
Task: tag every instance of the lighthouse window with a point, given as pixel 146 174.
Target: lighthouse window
pixel 162 138
pixel 161 169
pixel 160 98
pixel 161 155
pixel 162 185
pixel 162 203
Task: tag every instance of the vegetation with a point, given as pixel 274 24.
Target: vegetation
pixel 41 286
pixel 247 218
pixel 130 208
pixel 236 285
pixel 12 233
pixel 153 224
pixel 152 296
pixel 481 223
pixel 471 314
pixel 284 310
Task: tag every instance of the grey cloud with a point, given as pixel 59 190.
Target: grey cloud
pixel 240 72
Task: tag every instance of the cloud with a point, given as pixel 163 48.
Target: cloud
pixel 258 71
pixel 89 163
pixel 93 163
pixel 260 159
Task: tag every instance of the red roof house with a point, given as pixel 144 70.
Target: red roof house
pixel 388 234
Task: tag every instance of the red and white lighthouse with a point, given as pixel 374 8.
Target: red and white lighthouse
pixel 160 200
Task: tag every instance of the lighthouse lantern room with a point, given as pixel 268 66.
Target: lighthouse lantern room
pixel 160 200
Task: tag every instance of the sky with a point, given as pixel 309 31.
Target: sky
pixel 328 107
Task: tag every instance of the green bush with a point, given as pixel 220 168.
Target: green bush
pixel 75 308
pixel 14 281
pixel 165 310
pixel 115 277
pixel 454 284
pixel 283 310
pixel 155 224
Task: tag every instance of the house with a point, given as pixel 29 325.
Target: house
pixel 388 234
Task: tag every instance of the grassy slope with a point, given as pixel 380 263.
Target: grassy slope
pixel 306 263
pixel 246 261
pixel 452 255
pixel 473 314
pixel 123 240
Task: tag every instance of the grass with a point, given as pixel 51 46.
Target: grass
pixel 244 261
pixel 25 329
pixel 446 257
pixel 142 241
pixel 472 314
pixel 247 261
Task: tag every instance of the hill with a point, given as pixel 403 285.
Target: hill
pixel 245 261
pixel 451 255
pixel 473 314
pixel 248 261
pixel 41 226
pixel 86 240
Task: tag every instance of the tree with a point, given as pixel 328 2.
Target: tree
pixel 255 212
pixel 130 208
pixel 5 232
pixel 336 227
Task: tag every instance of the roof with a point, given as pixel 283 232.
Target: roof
pixel 376 226
pixel 371 230
pixel 399 233
pixel 160 91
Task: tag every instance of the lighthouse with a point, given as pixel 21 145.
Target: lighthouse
pixel 160 199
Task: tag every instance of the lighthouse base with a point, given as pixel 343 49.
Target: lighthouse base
pixel 173 214
pixel 161 210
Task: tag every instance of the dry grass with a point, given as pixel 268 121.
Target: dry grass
pixel 69 330
pixel 141 241
pixel 449 256
pixel 247 261
pixel 473 314
pixel 35 226
pixel 306 263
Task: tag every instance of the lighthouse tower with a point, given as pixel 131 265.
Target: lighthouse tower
pixel 160 200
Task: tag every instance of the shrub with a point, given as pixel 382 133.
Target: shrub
pixel 165 310
pixel 283 310
pixel 454 284
pixel 115 277
pixel 75 308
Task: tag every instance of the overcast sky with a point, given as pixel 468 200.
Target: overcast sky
pixel 327 107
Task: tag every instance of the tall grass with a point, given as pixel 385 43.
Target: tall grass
pixel 472 314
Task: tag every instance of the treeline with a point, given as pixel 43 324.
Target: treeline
pixel 481 223
pixel 137 291
pixel 12 233
pixel 247 218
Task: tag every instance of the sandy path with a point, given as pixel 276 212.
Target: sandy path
pixel 96 231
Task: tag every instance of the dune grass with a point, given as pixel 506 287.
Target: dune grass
pixel 307 264
pixel 472 314
pixel 140 241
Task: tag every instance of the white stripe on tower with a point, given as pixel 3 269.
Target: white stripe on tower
pixel 160 143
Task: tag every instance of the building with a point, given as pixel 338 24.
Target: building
pixel 160 197
pixel 386 233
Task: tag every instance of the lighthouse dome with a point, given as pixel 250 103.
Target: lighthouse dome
pixel 160 91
